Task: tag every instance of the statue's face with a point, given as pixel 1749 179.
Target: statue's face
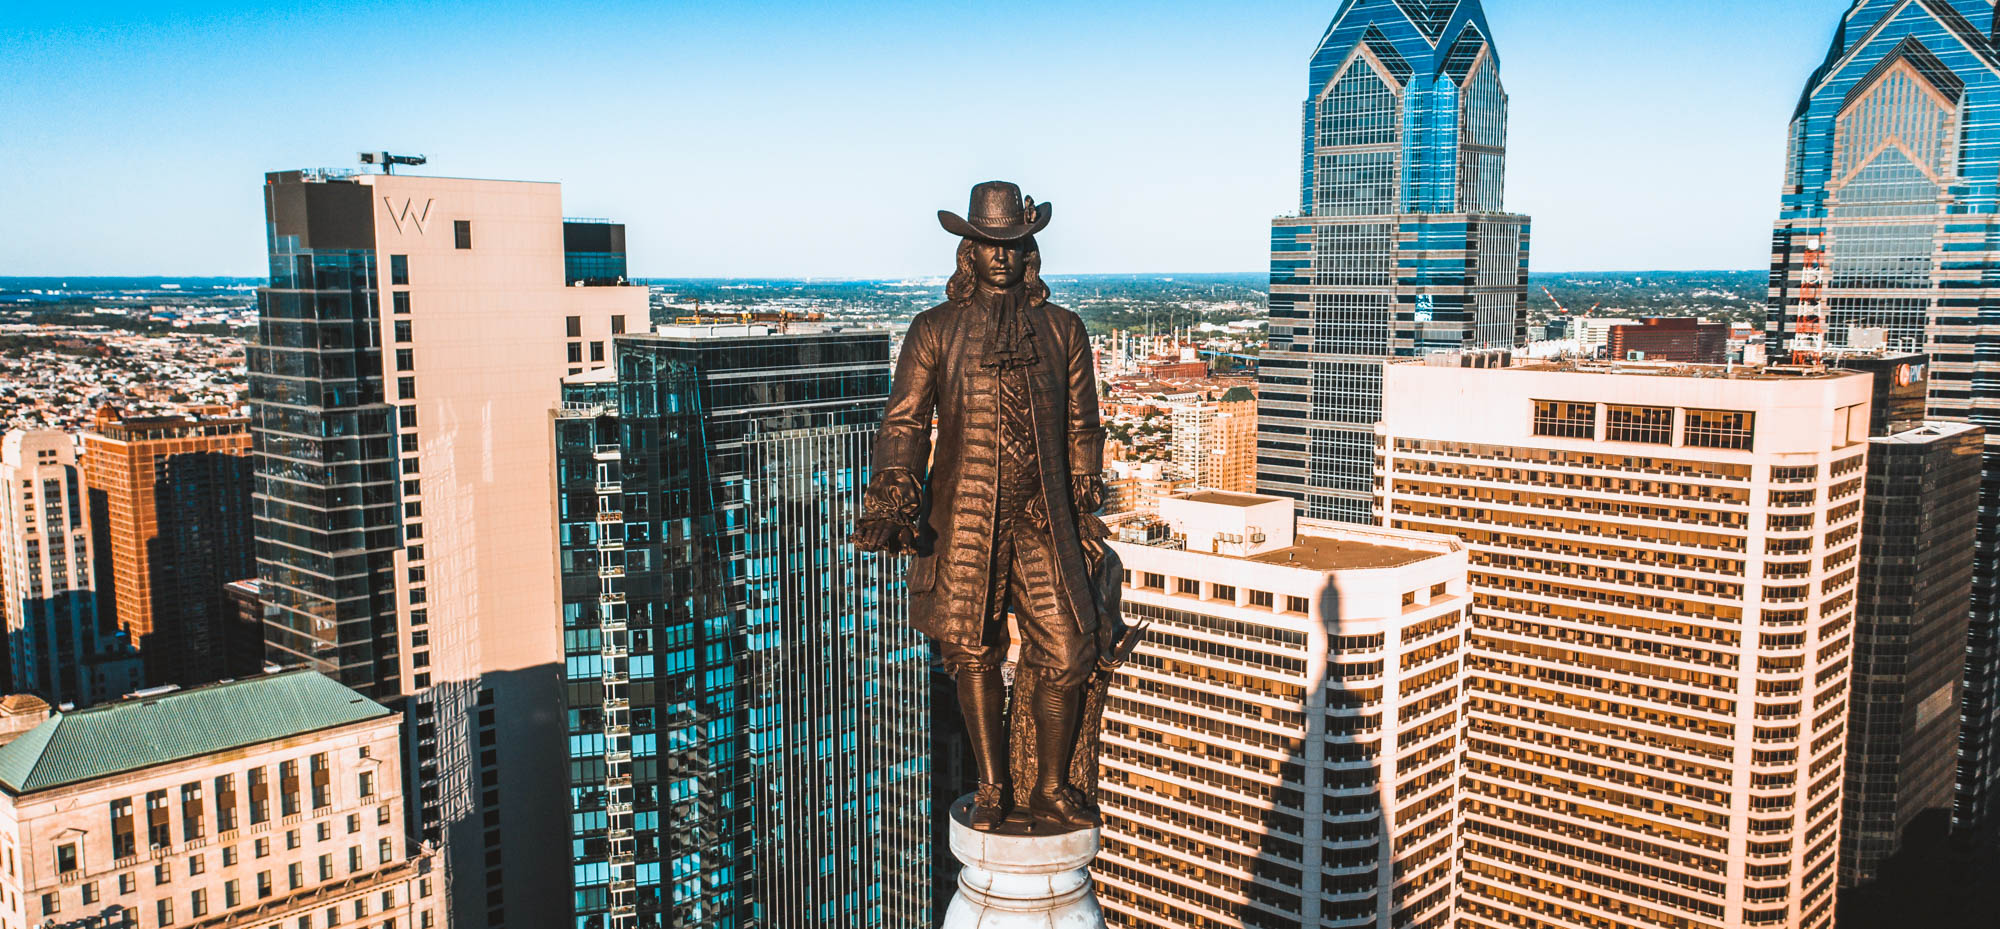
pixel 1000 265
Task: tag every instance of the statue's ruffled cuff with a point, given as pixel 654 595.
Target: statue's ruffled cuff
pixel 1086 491
pixel 1086 451
pixel 893 494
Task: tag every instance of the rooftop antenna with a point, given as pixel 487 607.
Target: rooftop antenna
pixel 389 162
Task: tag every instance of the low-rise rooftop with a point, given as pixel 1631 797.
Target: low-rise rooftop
pixel 140 732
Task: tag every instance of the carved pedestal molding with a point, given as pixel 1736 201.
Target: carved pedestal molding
pixel 1022 881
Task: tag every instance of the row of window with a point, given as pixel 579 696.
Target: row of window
pixel 1647 425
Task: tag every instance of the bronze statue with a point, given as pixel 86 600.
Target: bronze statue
pixel 1000 514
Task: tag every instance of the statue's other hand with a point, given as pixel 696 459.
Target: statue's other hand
pixel 884 534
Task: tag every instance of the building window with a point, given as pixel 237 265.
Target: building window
pixel 124 840
pixel 407 416
pixel 1222 592
pixel 399 270
pixel 597 351
pixel 402 330
pixel 367 784
pixel 197 865
pixel 66 858
pixel 157 833
pixel 90 893
pixel 228 855
pixel 51 903
pixel 618 325
pixel 573 326
pixel 1297 605
pixel 406 359
pixel 322 782
pixel 1261 598
pixel 232 893
pixel 385 850
pixel 406 388
pixel 326 867
pixel 1652 425
pixel 461 233
pixel 263 884
pixel 288 787
pixel 165 910
pixel 198 903
pixel 128 883
pixel 1188 586
pixel 296 874
pixel 576 353
pixel 1565 420
pixel 1732 429
pixel 409 440
pixel 401 301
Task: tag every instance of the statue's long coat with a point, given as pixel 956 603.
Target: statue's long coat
pixel 939 371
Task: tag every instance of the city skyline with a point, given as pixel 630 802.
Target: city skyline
pixel 691 153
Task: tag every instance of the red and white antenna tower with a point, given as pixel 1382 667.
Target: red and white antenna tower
pixel 1809 313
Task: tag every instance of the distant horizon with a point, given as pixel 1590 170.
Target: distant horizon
pixel 864 278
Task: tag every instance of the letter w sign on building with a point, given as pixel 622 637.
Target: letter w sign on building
pixel 410 213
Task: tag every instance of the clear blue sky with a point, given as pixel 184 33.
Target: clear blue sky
pixel 795 138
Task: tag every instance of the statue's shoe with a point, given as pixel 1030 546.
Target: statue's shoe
pixel 1064 810
pixel 991 804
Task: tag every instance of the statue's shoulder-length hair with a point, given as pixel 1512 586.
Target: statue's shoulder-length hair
pixel 962 280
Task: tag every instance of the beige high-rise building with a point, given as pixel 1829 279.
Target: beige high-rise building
pixel 1663 572
pixel 273 802
pixel 412 344
pixel 55 645
pixel 1215 441
pixel 1280 751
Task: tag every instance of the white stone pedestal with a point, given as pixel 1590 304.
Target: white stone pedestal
pixel 1021 881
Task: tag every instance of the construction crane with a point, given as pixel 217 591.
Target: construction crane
pixel 1552 299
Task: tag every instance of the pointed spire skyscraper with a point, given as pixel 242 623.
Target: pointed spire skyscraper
pixel 1400 246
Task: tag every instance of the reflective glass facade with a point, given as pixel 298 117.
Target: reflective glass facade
pixel 1400 246
pixel 324 501
pixel 747 712
pixel 1887 219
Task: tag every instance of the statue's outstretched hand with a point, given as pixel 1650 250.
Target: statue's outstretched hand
pixel 884 534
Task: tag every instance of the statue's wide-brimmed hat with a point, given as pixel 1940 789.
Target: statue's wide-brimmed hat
pixel 998 213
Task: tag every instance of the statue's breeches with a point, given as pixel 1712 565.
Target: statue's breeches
pixel 1024 576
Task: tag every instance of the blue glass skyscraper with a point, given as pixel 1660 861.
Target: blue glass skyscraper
pixel 748 711
pixel 1400 246
pixel 1888 219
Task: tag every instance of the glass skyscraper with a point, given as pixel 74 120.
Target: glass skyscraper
pixel 1400 246
pixel 747 708
pixel 1888 219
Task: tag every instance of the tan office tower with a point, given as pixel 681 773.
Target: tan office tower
pixel 55 645
pixel 411 349
pixel 1280 752
pixel 1215 441
pixel 268 803
pixel 1663 580
pixel 170 507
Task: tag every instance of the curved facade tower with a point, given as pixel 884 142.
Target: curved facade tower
pixel 1400 245
pixel 1892 183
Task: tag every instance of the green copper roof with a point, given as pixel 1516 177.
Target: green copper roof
pixel 139 732
pixel 1237 395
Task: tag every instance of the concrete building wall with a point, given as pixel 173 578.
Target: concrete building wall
pixel 1279 752
pixel 53 645
pixel 490 341
pixel 347 863
pixel 1658 665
